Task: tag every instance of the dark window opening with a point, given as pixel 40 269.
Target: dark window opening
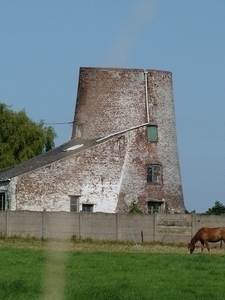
pixel 155 207
pixel 2 201
pixel 154 174
pixel 87 207
pixel 74 203
pixel 152 133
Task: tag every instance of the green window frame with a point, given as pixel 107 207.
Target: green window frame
pixel 152 133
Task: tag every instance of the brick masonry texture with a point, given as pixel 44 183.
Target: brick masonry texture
pixel 109 100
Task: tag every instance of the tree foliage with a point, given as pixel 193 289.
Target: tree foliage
pixel 134 208
pixel 217 209
pixel 21 138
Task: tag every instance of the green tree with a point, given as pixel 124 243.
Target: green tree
pixel 21 138
pixel 217 209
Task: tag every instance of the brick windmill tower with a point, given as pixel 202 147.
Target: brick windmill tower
pixel 134 107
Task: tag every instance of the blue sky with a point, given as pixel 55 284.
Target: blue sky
pixel 45 42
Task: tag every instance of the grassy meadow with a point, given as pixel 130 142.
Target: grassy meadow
pixel 32 269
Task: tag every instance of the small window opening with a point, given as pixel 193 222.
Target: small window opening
pixel 155 207
pixel 74 203
pixel 154 174
pixel 2 201
pixel 152 133
pixel 87 207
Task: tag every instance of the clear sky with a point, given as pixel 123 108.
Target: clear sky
pixel 43 43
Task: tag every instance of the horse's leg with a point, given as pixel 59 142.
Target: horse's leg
pixel 202 247
pixel 221 243
pixel 207 246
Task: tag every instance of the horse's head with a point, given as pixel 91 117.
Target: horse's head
pixel 191 247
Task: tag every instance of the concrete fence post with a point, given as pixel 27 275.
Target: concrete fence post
pixel 80 225
pixel 43 225
pixel 154 226
pixel 7 223
pixel 117 227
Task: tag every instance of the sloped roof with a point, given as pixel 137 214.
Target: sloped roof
pixel 64 150
pixel 73 146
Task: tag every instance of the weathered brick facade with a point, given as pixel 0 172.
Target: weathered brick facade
pixel 113 111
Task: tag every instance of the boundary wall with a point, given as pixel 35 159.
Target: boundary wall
pixel 168 228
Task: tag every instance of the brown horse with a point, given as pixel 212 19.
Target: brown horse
pixel 206 235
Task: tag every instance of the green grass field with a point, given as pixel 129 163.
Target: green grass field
pixel 30 270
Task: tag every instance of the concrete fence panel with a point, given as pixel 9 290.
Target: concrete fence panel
pixel 61 225
pixel 3 221
pixel 98 226
pixel 24 223
pixel 207 221
pixel 135 227
pixel 173 227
